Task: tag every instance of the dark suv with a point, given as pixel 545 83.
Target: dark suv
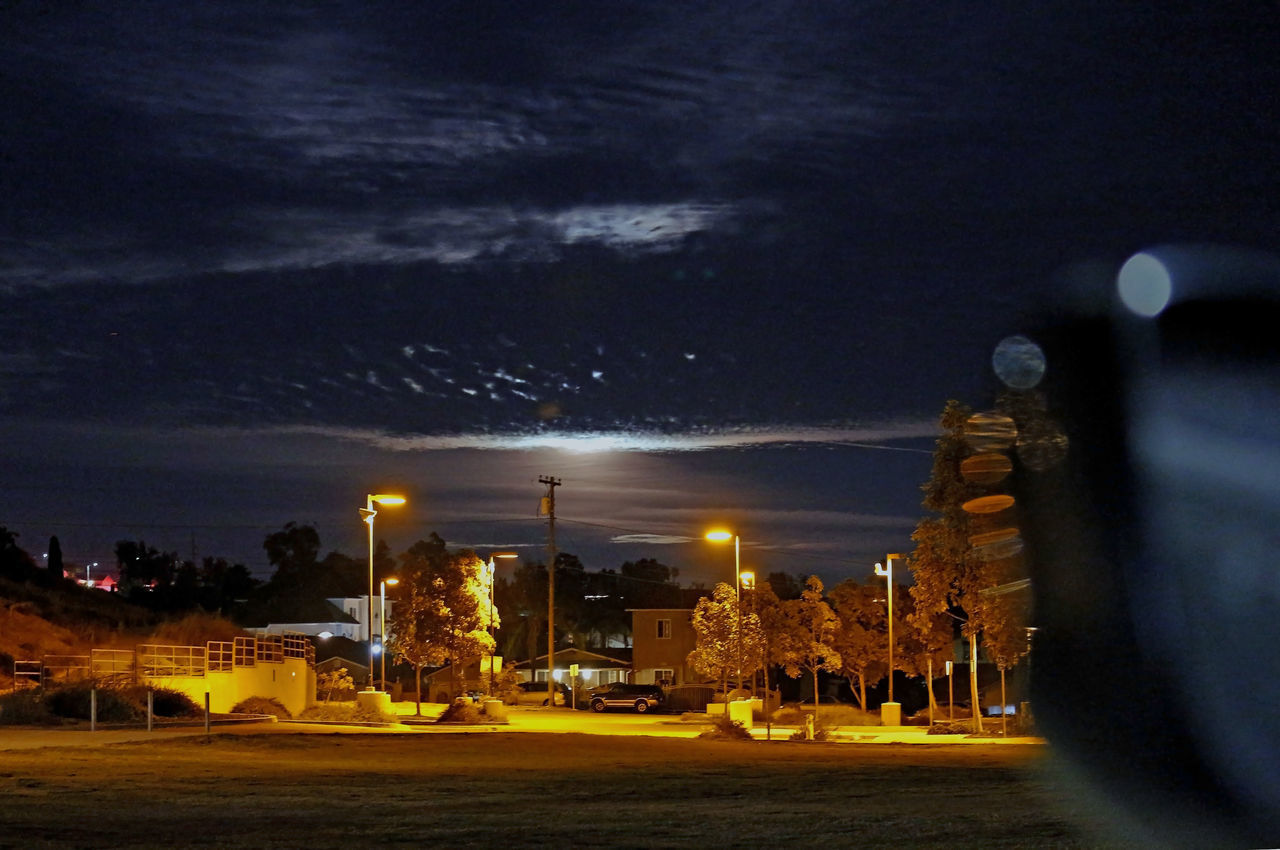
pixel 641 698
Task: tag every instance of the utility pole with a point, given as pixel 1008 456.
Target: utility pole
pixel 549 505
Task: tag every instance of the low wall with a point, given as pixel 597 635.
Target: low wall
pixel 292 682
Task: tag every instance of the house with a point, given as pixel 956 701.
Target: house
pixel 594 669
pixel 662 639
pixel 337 617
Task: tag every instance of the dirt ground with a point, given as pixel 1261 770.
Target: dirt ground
pixel 322 790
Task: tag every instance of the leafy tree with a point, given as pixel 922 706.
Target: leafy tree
pixel 334 680
pixel 861 635
pixel 442 612
pixel 947 572
pixel 806 644
pixel 715 633
pixel 54 564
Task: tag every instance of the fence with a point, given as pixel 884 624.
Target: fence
pixel 112 666
pixel 123 666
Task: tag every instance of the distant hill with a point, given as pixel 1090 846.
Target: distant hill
pixel 64 618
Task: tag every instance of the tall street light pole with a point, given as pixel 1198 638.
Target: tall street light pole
pixel 382 624
pixel 720 537
pixel 747 580
pixel 886 570
pixel 492 570
pixel 367 513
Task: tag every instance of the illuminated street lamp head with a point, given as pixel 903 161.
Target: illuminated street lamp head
pixel 387 499
pixel 748 579
pixel 881 571
pixel 392 582
pixel 719 535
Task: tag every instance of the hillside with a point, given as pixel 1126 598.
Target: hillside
pixel 66 619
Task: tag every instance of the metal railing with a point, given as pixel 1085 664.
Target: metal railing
pixel 65 668
pixel 245 652
pixel 271 649
pixel 159 661
pixel 112 666
pixel 221 656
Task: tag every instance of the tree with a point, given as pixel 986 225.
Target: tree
pixel 15 563
pixel 928 643
pixel 648 583
pixel 945 569
pixel 806 642
pixel 54 564
pixel 144 568
pixel 334 680
pixel 785 586
pixel 442 613
pixel 861 635
pixel 293 551
pixel 715 634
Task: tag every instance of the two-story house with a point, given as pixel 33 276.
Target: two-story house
pixel 661 640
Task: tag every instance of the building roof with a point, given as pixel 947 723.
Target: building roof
pixel 286 611
pixel 574 655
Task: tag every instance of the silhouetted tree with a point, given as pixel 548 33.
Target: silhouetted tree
pixel 15 563
pixel 54 563
pixel 785 586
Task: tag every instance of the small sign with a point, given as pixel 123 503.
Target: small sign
pixel 948 668
pixel 573 669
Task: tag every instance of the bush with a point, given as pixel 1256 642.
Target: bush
pixel 25 708
pixel 461 711
pixel 166 702
pixel 724 729
pixel 114 706
pixel 261 705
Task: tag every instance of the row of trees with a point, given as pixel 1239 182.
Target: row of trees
pixel 844 633
pixel 967 568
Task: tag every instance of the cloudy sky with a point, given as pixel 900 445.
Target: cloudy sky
pixel 704 262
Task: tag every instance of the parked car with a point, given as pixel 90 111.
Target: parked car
pixel 535 693
pixel 641 698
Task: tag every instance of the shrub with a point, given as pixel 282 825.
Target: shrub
pixel 724 729
pixel 195 629
pixel 461 711
pixel 25 708
pixel 261 705
pixel 166 702
pixel 114 706
pixel 333 683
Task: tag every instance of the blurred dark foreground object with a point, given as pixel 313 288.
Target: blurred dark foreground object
pixel 1155 547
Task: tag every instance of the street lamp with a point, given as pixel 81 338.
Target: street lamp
pixel 382 623
pixel 747 580
pixel 367 513
pixel 721 536
pixel 889 710
pixel 492 570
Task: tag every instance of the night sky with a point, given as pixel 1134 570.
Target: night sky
pixel 715 263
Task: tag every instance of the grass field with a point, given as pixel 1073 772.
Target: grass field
pixel 506 790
